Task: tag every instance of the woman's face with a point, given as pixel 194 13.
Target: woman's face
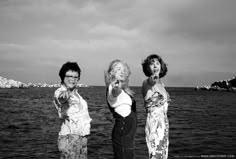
pixel 120 72
pixel 71 79
pixel 155 67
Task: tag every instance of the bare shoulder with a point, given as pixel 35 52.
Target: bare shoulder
pixel 145 87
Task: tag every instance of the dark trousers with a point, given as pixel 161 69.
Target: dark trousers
pixel 123 137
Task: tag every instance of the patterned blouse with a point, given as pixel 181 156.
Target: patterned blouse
pixel 76 108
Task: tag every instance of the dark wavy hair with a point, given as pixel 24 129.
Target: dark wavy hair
pixel 73 66
pixel 147 62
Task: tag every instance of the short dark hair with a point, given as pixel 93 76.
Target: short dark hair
pixel 73 66
pixel 147 62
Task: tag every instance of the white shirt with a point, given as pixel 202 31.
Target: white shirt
pixel 122 103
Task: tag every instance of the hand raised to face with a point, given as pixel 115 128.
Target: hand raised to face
pixel 153 79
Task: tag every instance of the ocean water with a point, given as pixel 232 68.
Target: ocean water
pixel 202 124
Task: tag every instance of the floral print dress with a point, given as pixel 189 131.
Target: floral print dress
pixel 157 125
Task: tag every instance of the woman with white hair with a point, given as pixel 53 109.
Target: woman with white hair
pixel 123 107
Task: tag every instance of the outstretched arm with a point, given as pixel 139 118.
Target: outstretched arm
pixel 61 103
pixel 116 88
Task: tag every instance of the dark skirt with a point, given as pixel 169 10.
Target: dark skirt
pixel 123 137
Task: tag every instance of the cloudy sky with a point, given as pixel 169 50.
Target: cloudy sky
pixel 196 38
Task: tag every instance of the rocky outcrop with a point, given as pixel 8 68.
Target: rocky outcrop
pixel 227 85
pixel 10 83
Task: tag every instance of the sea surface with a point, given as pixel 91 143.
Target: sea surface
pixel 202 124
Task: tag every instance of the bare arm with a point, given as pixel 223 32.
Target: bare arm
pixel 116 90
pixel 146 90
pixel 61 103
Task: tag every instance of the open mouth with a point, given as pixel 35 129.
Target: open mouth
pixel 71 83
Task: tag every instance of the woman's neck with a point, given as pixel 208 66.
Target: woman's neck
pixel 157 81
pixel 69 89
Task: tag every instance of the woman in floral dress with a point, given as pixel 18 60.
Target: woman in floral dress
pixel 156 101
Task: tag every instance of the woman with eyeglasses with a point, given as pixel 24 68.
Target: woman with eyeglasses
pixel 73 112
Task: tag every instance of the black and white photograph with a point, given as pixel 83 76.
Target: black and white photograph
pixel 117 79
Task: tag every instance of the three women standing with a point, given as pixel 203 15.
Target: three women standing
pixel 72 108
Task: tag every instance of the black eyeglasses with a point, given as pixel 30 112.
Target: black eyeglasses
pixel 74 77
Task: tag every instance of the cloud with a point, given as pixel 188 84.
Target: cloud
pixel 112 30
pixel 191 35
pixel 211 21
